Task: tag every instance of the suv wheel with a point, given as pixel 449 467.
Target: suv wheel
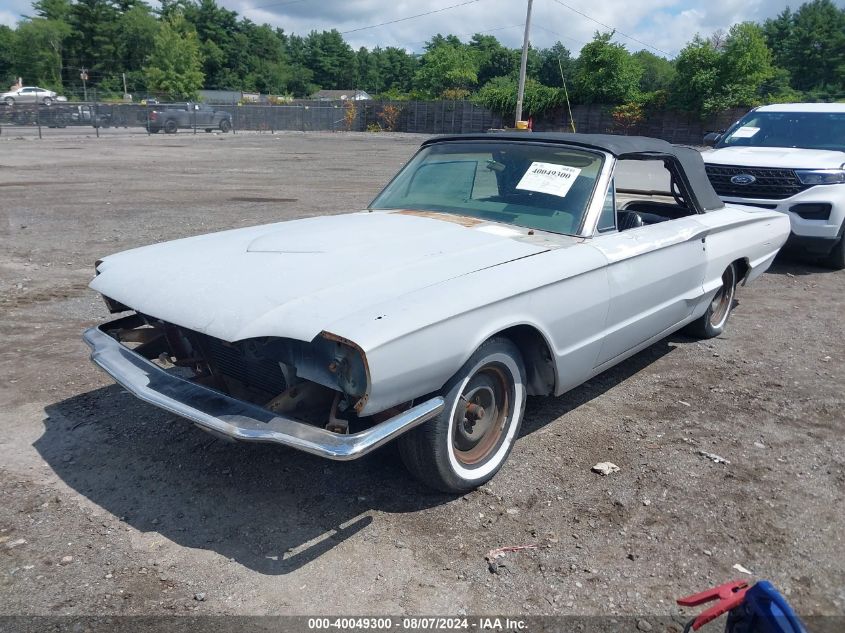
pixel 836 259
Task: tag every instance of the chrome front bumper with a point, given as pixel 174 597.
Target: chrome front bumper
pixel 221 414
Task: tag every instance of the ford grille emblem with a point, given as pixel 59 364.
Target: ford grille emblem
pixel 743 179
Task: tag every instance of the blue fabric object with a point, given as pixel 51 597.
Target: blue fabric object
pixel 764 611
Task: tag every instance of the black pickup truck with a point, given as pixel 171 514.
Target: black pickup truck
pixel 188 115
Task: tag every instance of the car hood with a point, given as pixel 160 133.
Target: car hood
pixel 779 157
pixel 295 279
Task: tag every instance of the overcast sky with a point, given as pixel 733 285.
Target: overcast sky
pixel 665 25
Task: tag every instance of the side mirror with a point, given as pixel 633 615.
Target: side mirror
pixel 711 138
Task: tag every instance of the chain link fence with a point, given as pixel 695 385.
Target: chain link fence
pixel 427 117
pixel 424 117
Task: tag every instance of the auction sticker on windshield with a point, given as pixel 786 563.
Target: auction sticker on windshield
pixel 746 131
pixel 549 178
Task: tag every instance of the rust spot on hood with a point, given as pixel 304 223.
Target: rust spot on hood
pixel 463 220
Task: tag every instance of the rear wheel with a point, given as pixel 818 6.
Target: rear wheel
pixel 466 445
pixel 9 101
pixel 712 323
pixel 225 125
pixel 170 127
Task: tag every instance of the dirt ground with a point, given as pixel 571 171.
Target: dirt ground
pixel 110 506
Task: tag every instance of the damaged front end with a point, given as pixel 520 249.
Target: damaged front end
pixel 306 395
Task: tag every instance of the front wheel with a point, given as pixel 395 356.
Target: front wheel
pixel 47 101
pixel 225 126
pixel 712 323
pixel 467 444
pixel 170 127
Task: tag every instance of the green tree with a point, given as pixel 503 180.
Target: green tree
pixel 93 39
pixel 136 31
pixel 446 66
pixel 174 68
pixel 301 82
pixel 38 51
pixel 8 56
pixel 658 72
pixel 810 44
pixel 217 29
pixel 494 60
pixel 397 69
pixel 606 72
pixel 264 62
pixel 697 81
pixel 330 59
pixel 368 70
pixel 440 40
pixel 776 31
pixel 711 80
pixel 744 64
pixel 500 93
pixel 52 9
pixel 554 60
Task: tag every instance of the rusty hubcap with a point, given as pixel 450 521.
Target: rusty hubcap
pixel 481 415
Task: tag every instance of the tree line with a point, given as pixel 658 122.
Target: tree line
pixel 185 45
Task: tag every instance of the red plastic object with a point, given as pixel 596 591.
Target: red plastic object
pixel 730 595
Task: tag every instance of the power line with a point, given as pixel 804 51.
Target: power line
pixel 613 28
pixel 556 34
pixel 410 17
pixel 498 28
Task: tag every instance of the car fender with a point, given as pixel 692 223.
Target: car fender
pixel 416 343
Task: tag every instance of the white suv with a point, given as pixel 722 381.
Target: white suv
pixel 790 158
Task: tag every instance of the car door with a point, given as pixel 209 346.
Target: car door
pixel 26 95
pixel 656 275
pixel 204 115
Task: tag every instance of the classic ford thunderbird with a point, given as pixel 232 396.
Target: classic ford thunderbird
pixel 491 268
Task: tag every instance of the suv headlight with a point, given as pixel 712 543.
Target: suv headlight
pixel 821 176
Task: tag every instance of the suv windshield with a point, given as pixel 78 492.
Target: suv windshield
pixel 545 187
pixel 808 130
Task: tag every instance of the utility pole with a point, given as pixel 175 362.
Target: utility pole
pixel 83 75
pixel 523 64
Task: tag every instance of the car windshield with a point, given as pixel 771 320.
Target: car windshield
pixel 544 187
pixel 808 130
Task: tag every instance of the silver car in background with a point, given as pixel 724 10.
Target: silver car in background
pixel 30 94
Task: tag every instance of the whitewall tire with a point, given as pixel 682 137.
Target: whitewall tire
pixel 466 445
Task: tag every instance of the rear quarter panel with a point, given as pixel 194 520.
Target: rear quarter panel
pixel 740 233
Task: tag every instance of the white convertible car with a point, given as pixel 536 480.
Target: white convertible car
pixel 493 267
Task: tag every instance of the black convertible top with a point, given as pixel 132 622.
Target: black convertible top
pixel 687 162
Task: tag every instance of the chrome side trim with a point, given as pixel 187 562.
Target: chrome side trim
pixel 222 414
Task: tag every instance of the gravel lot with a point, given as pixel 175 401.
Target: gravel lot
pixel 110 506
